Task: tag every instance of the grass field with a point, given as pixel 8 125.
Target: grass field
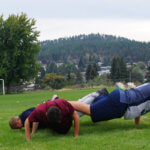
pixel 116 134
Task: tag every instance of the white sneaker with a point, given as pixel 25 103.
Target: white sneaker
pixel 120 86
pixel 54 97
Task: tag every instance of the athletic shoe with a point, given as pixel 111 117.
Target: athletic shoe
pixel 120 86
pixel 54 97
pixel 103 91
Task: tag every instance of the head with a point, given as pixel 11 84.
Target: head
pixel 15 123
pixel 54 115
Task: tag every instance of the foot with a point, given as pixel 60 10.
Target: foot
pixel 54 97
pixel 120 86
pixel 103 91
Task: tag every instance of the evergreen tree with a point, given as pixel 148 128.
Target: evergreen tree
pixel 79 78
pixel 88 72
pixel 124 73
pixel 42 71
pixel 51 68
pixel 94 45
pixel 91 72
pixel 95 66
pixel 148 74
pixel 118 70
pixel 114 69
pixel 81 64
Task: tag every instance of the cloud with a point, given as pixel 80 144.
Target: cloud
pixel 78 8
pixel 59 18
pixel 56 28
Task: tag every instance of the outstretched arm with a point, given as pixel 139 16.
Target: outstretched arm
pixel 34 127
pixel 76 123
pixel 27 130
pixel 137 120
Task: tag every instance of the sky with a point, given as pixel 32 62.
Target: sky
pixel 65 18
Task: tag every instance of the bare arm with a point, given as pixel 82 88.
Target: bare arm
pixel 137 120
pixel 34 127
pixel 76 123
pixel 27 130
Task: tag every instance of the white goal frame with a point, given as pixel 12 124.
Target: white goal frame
pixel 3 86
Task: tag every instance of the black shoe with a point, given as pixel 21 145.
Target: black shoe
pixel 103 91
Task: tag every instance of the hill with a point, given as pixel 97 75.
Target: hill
pixel 93 47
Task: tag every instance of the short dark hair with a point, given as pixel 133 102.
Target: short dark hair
pixel 13 122
pixel 54 115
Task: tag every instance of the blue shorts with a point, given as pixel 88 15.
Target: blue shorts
pixel 109 107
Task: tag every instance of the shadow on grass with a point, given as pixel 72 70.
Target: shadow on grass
pixel 87 127
pixel 44 134
pixel 110 126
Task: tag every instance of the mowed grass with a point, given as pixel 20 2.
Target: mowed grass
pixel 117 134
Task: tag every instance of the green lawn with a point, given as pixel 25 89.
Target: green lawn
pixel 109 135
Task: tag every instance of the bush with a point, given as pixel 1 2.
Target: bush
pixel 54 81
pixel 100 80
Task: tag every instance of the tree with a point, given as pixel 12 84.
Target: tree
pixel 124 73
pixel 81 64
pixel 79 78
pixel 70 78
pixel 42 72
pixel 39 78
pixel 118 69
pixel 148 74
pixel 91 72
pixel 141 65
pixel 63 69
pixel 96 68
pixel 137 74
pixel 51 68
pixel 54 81
pixel 94 45
pixel 115 69
pixel 19 47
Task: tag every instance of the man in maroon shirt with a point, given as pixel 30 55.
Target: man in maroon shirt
pixel 40 115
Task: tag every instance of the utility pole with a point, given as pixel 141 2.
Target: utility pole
pixel 130 76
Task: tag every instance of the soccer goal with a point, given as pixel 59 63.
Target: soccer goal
pixel 3 86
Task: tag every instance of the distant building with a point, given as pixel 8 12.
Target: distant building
pixel 148 63
pixel 99 64
pixel 44 66
pixel 59 64
pixel 104 70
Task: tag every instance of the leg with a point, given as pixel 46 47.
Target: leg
pixel 88 99
pixel 108 108
pixel 138 95
pixel 80 106
pixel 93 97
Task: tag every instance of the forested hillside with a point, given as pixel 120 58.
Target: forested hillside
pixel 93 47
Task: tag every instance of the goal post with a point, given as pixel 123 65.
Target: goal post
pixel 3 86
